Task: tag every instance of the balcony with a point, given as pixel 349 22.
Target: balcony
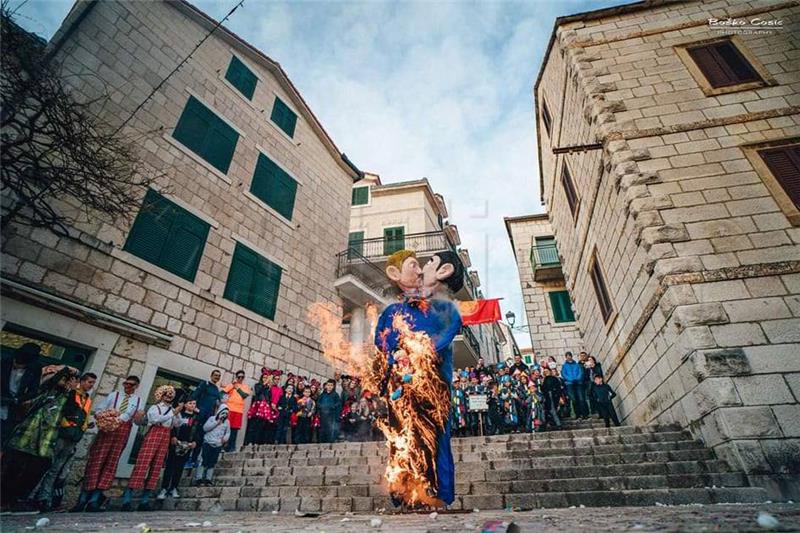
pixel 365 259
pixel 466 349
pixel 545 262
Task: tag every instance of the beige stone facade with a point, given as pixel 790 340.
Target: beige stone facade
pixel 540 274
pixel 410 215
pixel 695 240
pixel 134 317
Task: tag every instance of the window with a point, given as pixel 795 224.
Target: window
pixel 569 190
pixel 168 236
pixel 207 135
pixel 283 117
pixel 722 64
pixel 51 351
pixel 394 239
pixel 600 289
pixel 562 306
pixel 784 164
pixel 355 244
pixel 274 186
pixel 241 77
pixel 253 282
pixel 360 196
pixel 546 118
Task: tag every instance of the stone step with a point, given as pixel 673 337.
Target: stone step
pixel 235 462
pixel 492 471
pixel 521 501
pixel 728 479
pixel 661 452
pixel 361 448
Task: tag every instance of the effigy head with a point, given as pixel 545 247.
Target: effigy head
pixel 443 270
pixel 403 269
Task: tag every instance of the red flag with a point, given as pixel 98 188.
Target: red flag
pixel 479 311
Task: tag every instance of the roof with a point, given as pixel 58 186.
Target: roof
pixel 412 184
pixel 583 16
pixel 81 8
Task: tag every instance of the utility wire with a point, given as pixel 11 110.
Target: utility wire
pixel 185 59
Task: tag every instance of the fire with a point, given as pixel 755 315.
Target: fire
pixel 419 399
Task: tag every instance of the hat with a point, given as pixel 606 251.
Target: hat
pixel 277 373
pixel 265 371
pixel 501 365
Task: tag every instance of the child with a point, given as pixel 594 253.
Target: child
pixel 306 408
pixel 603 394
pixel 162 418
pixel 181 445
pixel 217 433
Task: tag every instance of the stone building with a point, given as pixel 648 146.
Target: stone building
pixel 669 162
pixel 388 217
pixel 239 238
pixel 551 320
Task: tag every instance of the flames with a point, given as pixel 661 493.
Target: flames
pixel 420 399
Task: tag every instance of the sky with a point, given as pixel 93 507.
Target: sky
pixel 407 90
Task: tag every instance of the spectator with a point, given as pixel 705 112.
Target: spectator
pixel 161 418
pixel 330 409
pixel 115 416
pixel 603 394
pixel 551 390
pixel 19 383
pixel 306 407
pixel 518 365
pixel 592 369
pixel 363 426
pixel 261 412
pixel 237 392
pixel 287 405
pixel 182 442
pixel 30 447
pixel 572 373
pixel 216 433
pixel 74 424
pixel 207 395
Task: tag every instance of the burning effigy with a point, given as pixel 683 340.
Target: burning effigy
pixel 410 366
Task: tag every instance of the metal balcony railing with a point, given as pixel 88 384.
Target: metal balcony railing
pixel 351 261
pixel 544 256
pixel 432 241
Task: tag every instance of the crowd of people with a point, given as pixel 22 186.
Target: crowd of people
pixel 46 412
pixel 518 398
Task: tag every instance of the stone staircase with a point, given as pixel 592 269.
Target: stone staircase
pixel 594 466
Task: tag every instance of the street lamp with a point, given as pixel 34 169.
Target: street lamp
pixel 511 318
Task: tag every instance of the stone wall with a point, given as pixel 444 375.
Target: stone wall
pixel 547 337
pixel 700 260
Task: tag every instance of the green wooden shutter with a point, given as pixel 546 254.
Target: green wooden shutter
pixel 241 77
pixel 355 244
pixel 240 277
pixel 184 248
pixel 253 282
pixel 274 186
pixel 207 135
pixel 168 236
pixel 266 288
pixel 151 228
pixel 562 306
pixel 360 196
pixel 283 117
pixel 393 240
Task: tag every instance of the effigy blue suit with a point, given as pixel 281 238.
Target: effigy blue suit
pixel 441 321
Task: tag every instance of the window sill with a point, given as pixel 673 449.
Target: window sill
pixel 208 166
pixel 610 322
pixel 716 91
pixel 269 209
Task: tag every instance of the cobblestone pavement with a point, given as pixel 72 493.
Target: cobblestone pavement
pixel 679 518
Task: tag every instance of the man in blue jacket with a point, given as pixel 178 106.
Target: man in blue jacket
pixel 572 373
